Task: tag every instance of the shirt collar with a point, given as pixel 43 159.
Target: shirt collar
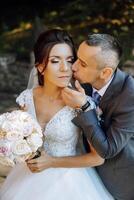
pixel 104 88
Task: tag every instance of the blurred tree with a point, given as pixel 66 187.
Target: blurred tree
pixel 77 16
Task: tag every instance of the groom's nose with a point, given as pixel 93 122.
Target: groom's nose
pixel 75 66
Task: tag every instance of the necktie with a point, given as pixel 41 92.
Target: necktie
pixel 97 97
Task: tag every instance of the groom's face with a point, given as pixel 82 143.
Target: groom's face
pixel 86 68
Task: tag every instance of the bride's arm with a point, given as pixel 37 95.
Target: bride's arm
pixel 45 161
pixel 91 159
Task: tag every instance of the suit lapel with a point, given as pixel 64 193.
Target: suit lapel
pixel 113 89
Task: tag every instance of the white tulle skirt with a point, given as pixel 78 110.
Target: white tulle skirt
pixel 53 184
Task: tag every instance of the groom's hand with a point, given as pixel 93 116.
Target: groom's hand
pixel 74 98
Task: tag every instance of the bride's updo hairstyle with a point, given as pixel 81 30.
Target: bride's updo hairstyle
pixel 45 43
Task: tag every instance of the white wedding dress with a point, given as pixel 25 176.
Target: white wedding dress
pixel 61 137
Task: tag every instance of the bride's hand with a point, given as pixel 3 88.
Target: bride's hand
pixel 41 163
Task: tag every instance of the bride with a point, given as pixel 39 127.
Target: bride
pixel 36 179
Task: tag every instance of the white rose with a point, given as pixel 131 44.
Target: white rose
pixel 2 119
pixel 2 134
pixel 6 125
pixel 34 141
pixel 6 161
pixel 27 129
pixel 21 147
pixel 21 159
pixel 37 130
pixel 5 147
pixel 24 117
pixel 14 135
pixel 11 116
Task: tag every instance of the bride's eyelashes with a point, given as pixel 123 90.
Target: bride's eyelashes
pixel 54 61
pixel 58 61
pixel 71 61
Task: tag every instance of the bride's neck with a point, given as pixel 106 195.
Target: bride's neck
pixel 51 91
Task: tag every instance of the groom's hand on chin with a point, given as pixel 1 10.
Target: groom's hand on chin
pixel 74 98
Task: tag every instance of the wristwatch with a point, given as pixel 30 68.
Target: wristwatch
pixel 85 106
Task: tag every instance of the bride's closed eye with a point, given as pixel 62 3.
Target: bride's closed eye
pixel 58 61
pixel 54 61
pixel 70 61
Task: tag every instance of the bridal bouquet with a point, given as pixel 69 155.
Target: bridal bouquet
pixel 20 137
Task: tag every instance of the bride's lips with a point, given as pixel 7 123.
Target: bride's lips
pixel 64 77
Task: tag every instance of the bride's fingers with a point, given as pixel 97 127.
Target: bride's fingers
pixel 32 161
pixel 32 166
pixel 35 167
pixel 32 169
pixel 79 88
pixel 31 157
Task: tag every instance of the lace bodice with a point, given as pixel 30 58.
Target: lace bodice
pixel 61 135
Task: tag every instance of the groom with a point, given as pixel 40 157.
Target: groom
pixel 113 136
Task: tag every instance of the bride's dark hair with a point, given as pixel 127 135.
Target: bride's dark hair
pixel 45 43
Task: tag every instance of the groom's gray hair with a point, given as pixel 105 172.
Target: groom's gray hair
pixel 111 50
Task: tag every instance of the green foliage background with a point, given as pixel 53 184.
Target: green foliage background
pixel 21 23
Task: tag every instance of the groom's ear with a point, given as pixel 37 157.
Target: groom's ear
pixel 41 68
pixel 106 73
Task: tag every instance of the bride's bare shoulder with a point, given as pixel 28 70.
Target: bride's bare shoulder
pixel 37 91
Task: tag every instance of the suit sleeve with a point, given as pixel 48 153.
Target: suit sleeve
pixel 110 142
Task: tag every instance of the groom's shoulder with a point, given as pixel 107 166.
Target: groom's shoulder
pixel 128 86
pixel 124 79
pixel 129 83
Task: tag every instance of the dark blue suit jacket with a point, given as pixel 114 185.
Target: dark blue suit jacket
pixel 114 138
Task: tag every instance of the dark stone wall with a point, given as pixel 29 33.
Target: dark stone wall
pixel 13 80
